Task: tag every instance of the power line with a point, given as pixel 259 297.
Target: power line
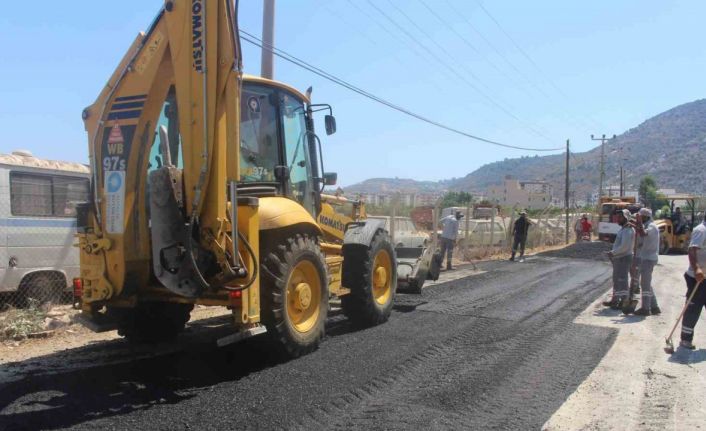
pixel 449 67
pixel 527 56
pixel 313 69
pixel 522 75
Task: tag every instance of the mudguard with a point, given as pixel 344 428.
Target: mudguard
pixel 362 233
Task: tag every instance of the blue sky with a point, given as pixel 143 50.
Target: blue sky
pixel 594 67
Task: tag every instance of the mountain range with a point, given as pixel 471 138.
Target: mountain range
pixel 669 146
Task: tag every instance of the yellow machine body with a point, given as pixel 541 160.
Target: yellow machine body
pixel 207 190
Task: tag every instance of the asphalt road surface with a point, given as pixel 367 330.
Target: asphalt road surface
pixel 496 350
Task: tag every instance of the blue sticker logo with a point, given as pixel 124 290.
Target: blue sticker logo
pixel 115 182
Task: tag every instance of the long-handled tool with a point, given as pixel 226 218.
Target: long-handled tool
pixel 669 348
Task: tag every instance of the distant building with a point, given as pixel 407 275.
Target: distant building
pixel 404 199
pixel 524 194
pixel 613 191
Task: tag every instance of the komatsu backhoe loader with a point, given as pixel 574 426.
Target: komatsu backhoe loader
pixel 206 186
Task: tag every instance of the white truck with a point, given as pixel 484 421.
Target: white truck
pixel 38 260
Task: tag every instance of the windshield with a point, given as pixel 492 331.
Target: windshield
pixel 258 134
pixel 293 116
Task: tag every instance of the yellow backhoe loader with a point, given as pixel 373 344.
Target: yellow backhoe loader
pixel 206 188
pixel 416 262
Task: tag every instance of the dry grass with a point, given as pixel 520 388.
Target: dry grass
pixel 18 324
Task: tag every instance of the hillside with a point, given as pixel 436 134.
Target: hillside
pixel 404 185
pixel 668 146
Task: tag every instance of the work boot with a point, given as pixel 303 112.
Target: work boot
pixel 616 304
pixel 642 311
pixel 607 302
pixel 687 344
pixel 656 311
pixel 512 258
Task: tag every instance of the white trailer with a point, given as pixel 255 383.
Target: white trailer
pixel 38 200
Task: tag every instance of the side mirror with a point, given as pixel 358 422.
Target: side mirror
pixel 330 178
pixel 281 173
pixel 330 121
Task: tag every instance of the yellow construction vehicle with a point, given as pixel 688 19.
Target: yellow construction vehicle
pixel 416 262
pixel 206 187
pixel 675 230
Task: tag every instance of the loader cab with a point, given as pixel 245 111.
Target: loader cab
pixel 279 150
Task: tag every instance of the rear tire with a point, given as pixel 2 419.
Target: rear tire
pixel 371 275
pixel 294 294
pixel 152 321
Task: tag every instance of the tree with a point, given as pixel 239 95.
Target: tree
pixel 455 199
pixel 648 186
pixel 649 195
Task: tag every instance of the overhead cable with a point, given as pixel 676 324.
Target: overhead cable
pixel 254 40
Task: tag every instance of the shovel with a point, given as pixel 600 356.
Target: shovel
pixel 669 348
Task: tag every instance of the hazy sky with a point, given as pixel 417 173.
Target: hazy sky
pixel 591 67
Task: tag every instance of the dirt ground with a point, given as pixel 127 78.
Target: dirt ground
pixel 636 385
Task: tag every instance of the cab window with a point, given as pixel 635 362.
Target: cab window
pixel 169 119
pixel 297 150
pixel 258 134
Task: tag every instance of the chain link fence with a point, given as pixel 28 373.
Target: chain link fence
pixel 38 259
pixel 492 236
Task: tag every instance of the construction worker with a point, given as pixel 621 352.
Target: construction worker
pixel 586 227
pixel 621 256
pixel 449 233
pixel 694 277
pixel 519 232
pixel 646 256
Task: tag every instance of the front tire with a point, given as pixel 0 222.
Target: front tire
pixel 294 294
pixel 371 275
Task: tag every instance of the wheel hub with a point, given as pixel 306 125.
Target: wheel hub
pixel 380 277
pixel 302 296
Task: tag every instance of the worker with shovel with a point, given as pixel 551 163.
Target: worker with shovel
pixel 621 255
pixel 694 277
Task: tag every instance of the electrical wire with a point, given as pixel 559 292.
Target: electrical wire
pixel 445 64
pixel 254 40
pixel 577 122
pixel 527 56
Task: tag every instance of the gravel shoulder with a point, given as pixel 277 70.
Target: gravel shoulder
pixel 636 385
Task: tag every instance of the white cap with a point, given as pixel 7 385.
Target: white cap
pixel 626 214
pixel 645 212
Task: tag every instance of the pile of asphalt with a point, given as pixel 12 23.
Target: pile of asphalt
pixel 594 250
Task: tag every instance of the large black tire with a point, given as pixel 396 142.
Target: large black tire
pixel 150 322
pixel 361 305
pixel 296 328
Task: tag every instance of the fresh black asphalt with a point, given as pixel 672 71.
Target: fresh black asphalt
pixel 498 350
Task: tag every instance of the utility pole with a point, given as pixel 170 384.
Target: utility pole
pixel 622 184
pixel 600 185
pixel 566 192
pixel 268 39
